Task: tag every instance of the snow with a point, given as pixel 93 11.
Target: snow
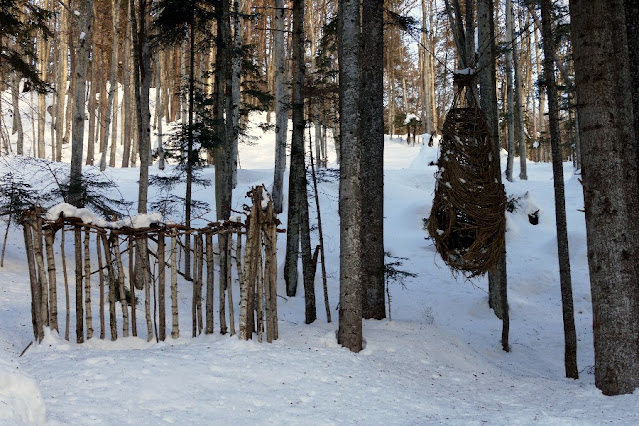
pixel 409 117
pixel 438 361
pixel 143 220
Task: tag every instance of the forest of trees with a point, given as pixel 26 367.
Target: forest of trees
pixel 556 81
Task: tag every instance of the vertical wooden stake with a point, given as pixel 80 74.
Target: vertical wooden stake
pixel 210 281
pixel 112 283
pixel 98 247
pixel 260 293
pixel 134 323
pixel 142 247
pixel 53 291
pixel 66 282
pixel 222 245
pixel 175 328
pixel 87 282
pixel 36 312
pixel 194 288
pixel 115 241
pixel 162 285
pixel 79 308
pixel 229 247
pixel 273 230
pixel 199 273
pixel 42 275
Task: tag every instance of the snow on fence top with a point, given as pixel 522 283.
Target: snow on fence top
pixel 137 222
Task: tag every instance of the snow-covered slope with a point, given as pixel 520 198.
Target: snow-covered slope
pixel 438 361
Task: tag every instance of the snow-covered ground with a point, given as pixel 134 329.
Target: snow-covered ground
pixel 438 361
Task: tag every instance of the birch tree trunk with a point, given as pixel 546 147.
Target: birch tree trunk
pixel 350 311
pixel 611 191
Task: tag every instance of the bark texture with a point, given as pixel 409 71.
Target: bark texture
pixel 350 297
pixel 611 191
pixel 372 165
pixel 570 334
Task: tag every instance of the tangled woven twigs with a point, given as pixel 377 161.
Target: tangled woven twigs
pixel 467 219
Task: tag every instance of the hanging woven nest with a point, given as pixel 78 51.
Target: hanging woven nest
pixel 467 221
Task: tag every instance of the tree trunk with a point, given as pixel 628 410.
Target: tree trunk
pixel 570 335
pixel 372 164
pixel 77 137
pixel 350 310
pixel 127 115
pixel 611 188
pixel 519 110
pixel 281 107
pixel 113 84
pixel 236 69
pixel 497 277
pixel 61 82
pixel 632 30
pixel 510 89
pixel 17 120
pixel 79 308
pixel 94 84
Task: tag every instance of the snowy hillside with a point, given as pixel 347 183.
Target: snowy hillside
pixel 438 361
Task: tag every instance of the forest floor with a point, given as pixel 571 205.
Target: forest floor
pixel 437 361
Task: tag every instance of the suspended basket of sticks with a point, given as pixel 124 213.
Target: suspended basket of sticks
pixel 467 220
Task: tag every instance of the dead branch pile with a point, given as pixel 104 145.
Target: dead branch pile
pixel 467 219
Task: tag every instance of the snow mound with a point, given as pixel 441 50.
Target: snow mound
pixel 20 398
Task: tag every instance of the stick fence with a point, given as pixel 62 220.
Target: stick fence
pixel 111 264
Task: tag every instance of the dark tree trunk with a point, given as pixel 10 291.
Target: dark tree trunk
pixel 570 335
pixel 297 177
pixel 350 295
pixel 497 277
pixel 611 189
pixel 372 166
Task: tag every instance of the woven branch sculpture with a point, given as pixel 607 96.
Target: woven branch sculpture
pixel 467 220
